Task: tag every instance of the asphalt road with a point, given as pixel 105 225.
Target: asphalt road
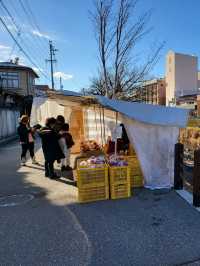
pixel 151 228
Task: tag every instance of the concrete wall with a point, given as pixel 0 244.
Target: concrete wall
pixel 181 75
pixel 8 122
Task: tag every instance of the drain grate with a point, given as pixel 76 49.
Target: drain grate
pixel 15 200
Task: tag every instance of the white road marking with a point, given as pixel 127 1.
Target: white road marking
pixel 80 229
pixel 12 200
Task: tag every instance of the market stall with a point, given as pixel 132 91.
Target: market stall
pixel 152 130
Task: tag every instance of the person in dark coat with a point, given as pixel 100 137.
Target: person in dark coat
pixel 26 137
pixel 50 147
pixel 125 139
pixel 60 121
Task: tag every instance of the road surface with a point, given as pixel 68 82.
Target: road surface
pixel 41 223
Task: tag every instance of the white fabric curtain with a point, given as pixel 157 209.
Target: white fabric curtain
pixel 154 146
pixel 43 108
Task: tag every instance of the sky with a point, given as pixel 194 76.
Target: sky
pixel 67 24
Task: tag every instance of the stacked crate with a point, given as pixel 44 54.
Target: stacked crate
pixel 136 176
pixel 119 182
pixel 92 183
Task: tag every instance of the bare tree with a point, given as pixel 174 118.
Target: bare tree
pixel 117 37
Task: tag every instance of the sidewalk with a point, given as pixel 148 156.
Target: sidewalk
pixel 151 228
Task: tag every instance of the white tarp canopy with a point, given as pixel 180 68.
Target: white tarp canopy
pixel 153 131
pixel 147 113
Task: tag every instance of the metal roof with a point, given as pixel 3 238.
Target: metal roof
pixel 10 65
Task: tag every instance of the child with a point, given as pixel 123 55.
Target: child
pixel 66 142
pixel 50 147
pixel 26 136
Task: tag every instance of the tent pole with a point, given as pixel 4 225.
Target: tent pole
pixel 104 128
pixel 95 117
pixel 101 126
pixel 116 139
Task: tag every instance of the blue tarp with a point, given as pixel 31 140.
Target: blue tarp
pixel 148 113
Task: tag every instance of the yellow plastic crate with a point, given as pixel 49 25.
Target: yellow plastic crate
pixel 136 176
pixel 93 194
pixel 118 191
pixel 119 174
pixel 136 181
pixel 92 177
pixel 119 182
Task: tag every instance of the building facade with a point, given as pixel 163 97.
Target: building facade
pixel 181 76
pixel 16 85
pixel 152 92
pixel 16 96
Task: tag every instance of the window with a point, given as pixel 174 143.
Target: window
pixel 10 79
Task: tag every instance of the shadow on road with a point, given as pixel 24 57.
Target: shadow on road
pixel 53 229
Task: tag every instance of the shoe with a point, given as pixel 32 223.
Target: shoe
pixel 54 176
pixel 71 178
pixel 34 161
pixel 68 168
pixel 23 162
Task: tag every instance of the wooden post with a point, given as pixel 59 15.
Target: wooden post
pixel 196 179
pixel 178 166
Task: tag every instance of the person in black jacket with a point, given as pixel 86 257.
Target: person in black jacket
pixel 50 146
pixel 26 136
pixel 60 121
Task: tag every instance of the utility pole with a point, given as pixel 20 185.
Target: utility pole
pixel 52 60
pixel 61 86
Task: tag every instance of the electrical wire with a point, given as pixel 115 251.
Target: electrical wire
pixel 29 14
pixel 18 29
pixel 21 48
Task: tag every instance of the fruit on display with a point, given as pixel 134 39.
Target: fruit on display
pixel 93 162
pixel 117 161
pixel 90 145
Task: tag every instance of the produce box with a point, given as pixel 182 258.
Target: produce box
pixel 118 191
pixel 136 176
pixel 91 194
pixel 92 182
pixel 119 174
pixel 90 177
pixel 119 182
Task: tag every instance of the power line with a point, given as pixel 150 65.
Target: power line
pixel 29 14
pixel 21 48
pixel 18 29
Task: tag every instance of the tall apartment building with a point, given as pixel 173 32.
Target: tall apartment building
pixel 152 92
pixel 181 76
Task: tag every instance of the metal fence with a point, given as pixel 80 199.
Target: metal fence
pixel 8 122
